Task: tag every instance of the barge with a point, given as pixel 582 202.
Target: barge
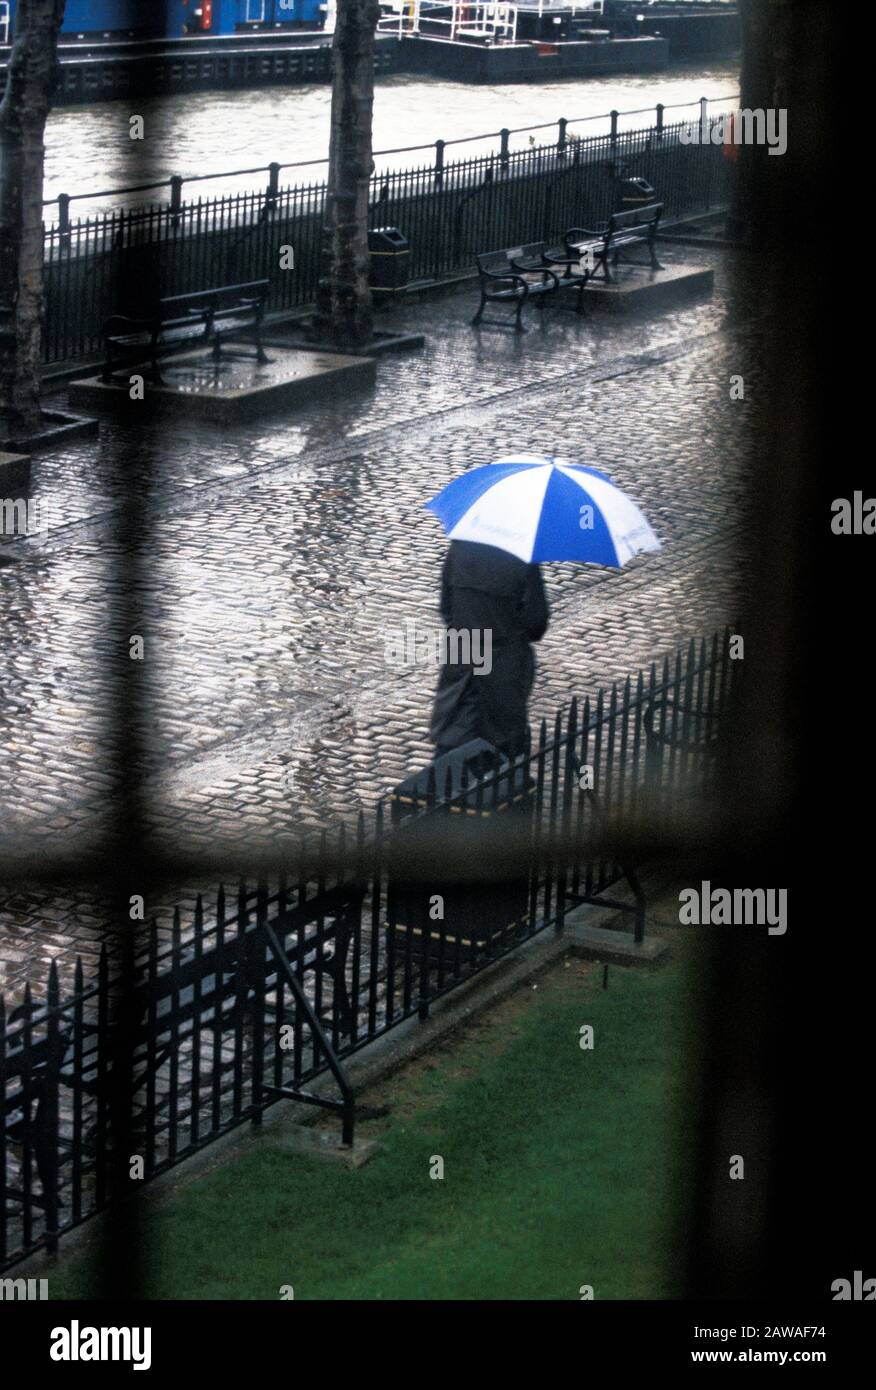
pixel 529 41
pixel 115 49
pixel 114 70
pixel 534 40
pixel 708 29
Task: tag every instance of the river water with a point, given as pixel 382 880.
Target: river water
pixel 89 149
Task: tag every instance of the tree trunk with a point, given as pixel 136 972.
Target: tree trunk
pixel 343 305
pixel 23 112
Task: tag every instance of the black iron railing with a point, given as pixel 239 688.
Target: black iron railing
pixel 175 183
pixel 449 211
pixel 269 988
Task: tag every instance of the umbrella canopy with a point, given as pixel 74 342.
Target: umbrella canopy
pixel 544 509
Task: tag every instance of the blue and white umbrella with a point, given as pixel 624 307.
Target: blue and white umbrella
pixel 544 509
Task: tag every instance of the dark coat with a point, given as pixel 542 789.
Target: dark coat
pixel 487 590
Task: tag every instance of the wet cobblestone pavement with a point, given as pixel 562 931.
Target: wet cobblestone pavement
pixel 273 558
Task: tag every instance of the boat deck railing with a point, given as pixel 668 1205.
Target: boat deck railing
pixel 494 21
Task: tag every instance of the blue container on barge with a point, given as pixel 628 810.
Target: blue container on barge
pixel 92 20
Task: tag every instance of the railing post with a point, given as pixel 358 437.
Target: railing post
pixel 613 134
pixel 257 983
pixel 660 110
pixel 439 163
pixel 504 134
pixel 50 1119
pixel 561 142
pixel 273 185
pixel 176 184
pixel 64 219
pixel 704 120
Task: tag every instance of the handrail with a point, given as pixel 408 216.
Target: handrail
pixel 347 1104
pixel 176 181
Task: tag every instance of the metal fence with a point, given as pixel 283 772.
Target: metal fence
pixel 449 211
pixel 275 984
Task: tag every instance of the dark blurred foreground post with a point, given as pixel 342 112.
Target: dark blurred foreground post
pixel 790 1043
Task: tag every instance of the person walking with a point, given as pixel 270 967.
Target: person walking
pixel 498 602
pixel 503 520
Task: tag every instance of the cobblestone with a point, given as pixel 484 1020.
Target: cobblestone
pixel 274 557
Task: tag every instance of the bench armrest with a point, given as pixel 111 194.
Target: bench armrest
pixel 584 234
pixel 122 323
pixel 561 260
pixel 540 269
pixel 505 275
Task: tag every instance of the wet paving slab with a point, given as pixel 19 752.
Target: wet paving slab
pixel 237 384
pixel 265 565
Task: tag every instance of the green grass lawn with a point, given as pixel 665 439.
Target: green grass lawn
pixel 562 1167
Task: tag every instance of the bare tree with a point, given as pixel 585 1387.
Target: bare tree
pixel 343 306
pixel 23 113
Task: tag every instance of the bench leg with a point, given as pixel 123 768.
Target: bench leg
pixel 156 370
pixel 480 311
pixel 261 355
pixel 501 322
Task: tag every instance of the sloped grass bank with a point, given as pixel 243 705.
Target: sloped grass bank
pixel 562 1167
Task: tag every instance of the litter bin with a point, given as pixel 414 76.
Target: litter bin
pixel 634 193
pixel 390 260
pixel 459 871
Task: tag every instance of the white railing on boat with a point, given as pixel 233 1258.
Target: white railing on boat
pixel 491 19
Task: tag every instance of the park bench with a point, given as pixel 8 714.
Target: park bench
pixel 595 249
pixel 525 274
pixel 184 992
pixel 208 983
pixel 202 317
pixel 680 734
